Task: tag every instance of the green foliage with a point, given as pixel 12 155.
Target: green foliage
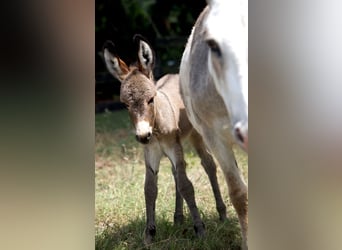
pixel 119 20
pixel 139 12
pixel 111 122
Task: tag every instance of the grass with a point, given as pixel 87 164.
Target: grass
pixel 120 204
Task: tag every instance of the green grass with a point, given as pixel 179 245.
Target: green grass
pixel 120 204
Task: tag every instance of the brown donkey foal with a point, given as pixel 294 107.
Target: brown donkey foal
pixel 158 114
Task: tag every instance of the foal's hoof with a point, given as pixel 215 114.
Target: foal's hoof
pixel 178 219
pixel 148 239
pixel 222 214
pixel 223 219
pixel 150 232
pixel 200 230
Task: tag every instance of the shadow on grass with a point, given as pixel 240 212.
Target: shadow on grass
pixel 219 235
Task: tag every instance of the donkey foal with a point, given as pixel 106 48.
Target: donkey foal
pixel 158 114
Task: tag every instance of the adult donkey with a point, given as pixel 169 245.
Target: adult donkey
pixel 159 117
pixel 214 88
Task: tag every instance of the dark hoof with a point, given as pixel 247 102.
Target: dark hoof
pixel 178 219
pixel 223 217
pixel 222 211
pixel 200 230
pixel 150 232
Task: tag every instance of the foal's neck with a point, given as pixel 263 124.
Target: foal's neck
pixel 166 117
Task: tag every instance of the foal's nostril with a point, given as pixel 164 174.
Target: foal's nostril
pixel 144 138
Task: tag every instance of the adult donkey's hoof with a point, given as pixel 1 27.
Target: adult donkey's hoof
pixel 150 232
pixel 200 229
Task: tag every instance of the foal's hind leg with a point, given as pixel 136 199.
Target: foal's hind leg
pixel 153 155
pixel 174 151
pixel 178 216
pixel 209 165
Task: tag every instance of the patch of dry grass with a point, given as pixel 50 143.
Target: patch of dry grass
pixel 120 204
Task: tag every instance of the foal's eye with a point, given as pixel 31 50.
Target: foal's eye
pixel 150 101
pixel 214 47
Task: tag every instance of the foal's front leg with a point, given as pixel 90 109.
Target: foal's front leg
pixel 178 217
pixel 153 155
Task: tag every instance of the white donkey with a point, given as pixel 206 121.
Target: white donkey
pixel 214 88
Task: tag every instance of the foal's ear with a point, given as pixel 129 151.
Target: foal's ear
pixel 114 64
pixel 210 2
pixel 145 55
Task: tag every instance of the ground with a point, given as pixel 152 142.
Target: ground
pixel 119 195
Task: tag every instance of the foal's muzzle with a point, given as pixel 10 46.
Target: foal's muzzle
pixel 143 132
pixel 144 139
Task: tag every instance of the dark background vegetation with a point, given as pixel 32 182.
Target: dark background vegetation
pixel 166 24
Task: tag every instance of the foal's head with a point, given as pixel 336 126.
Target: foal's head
pixel 137 86
pixel 226 32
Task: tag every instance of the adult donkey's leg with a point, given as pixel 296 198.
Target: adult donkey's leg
pixel 238 194
pixel 209 165
pixel 153 155
pixel 178 216
pixel 174 151
pixel 236 184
